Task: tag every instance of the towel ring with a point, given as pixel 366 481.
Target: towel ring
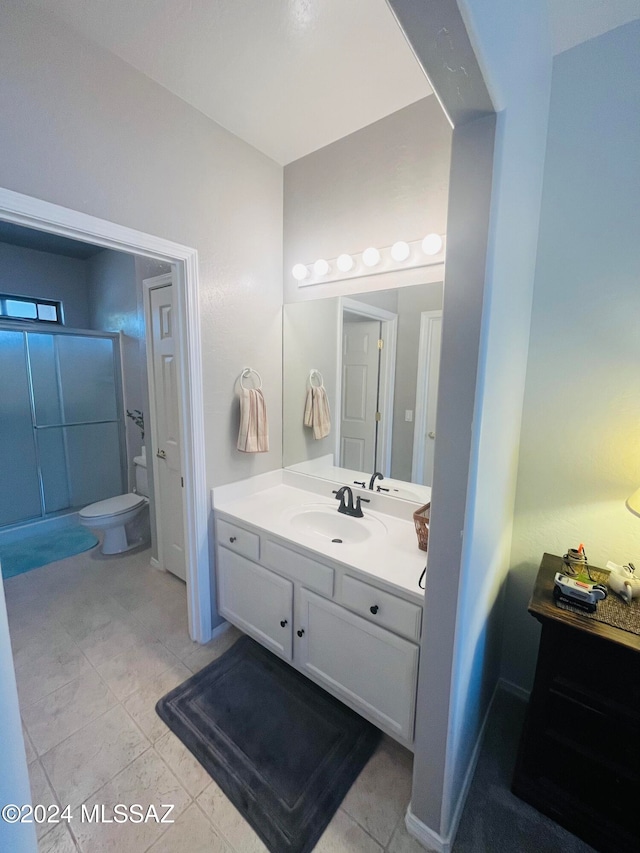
pixel 318 376
pixel 247 371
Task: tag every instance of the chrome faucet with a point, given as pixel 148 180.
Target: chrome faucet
pixel 347 506
pixel 375 476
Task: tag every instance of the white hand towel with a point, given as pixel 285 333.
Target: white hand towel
pixel 253 436
pixel 317 413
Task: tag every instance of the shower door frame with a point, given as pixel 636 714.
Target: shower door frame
pixel 8 325
pixel 44 216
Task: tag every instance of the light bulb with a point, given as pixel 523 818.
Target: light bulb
pixel 300 272
pixel 432 244
pixel 321 267
pixel 400 251
pixel 370 257
pixel 344 263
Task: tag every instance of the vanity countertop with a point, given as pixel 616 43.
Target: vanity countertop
pixel 266 502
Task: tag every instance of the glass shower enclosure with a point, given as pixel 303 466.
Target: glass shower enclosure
pixel 61 421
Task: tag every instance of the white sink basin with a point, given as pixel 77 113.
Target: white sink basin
pixel 326 523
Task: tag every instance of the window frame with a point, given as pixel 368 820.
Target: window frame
pixel 35 301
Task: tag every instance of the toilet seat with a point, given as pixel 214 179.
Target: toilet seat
pixel 111 507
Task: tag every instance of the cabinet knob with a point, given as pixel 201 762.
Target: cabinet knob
pixel 232 538
pixel 374 609
pixel 283 622
pixel 300 632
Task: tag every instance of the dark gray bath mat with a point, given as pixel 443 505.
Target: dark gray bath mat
pixel 283 751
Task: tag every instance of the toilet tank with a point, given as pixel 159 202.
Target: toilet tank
pixel 142 478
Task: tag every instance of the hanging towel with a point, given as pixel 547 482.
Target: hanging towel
pixel 316 411
pixel 253 436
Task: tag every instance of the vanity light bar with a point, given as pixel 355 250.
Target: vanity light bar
pixel 373 261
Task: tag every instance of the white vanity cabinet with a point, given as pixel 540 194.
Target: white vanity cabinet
pixel 366 666
pixel 355 639
pixel 257 601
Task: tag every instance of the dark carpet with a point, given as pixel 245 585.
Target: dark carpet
pixel 283 750
pixel 494 820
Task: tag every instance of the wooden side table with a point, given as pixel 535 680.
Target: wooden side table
pixel 579 755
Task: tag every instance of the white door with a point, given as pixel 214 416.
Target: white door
pixel 360 361
pixel 168 487
pixel 256 600
pixel 427 397
pixel 363 664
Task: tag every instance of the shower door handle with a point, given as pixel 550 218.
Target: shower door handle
pixel 161 454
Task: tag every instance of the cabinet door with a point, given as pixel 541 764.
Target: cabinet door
pixel 256 600
pixel 372 669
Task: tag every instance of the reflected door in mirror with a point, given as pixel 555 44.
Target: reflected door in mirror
pixel 360 379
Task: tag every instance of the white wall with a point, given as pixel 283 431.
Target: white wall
pixel 27 272
pixel 14 779
pixel 90 133
pixel 511 42
pixel 115 305
pixel 386 182
pixel 580 447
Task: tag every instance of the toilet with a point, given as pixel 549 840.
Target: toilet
pixel 124 519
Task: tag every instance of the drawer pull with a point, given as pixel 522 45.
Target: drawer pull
pixel 283 623
pixel 232 538
pixel 374 609
pixel 300 632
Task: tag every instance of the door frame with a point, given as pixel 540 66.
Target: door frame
pixel 427 319
pixel 387 374
pixel 44 216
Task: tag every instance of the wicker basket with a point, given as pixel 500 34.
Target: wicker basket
pixel 421 521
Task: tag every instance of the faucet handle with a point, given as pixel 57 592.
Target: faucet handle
pixel 360 483
pixel 357 510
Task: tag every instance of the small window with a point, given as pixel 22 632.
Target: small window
pixel 26 308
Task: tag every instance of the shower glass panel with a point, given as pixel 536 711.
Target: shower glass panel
pixel 67 389
pixel 19 484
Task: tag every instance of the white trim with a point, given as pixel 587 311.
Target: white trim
pixel 427 319
pixel 54 219
pixel 387 374
pixel 156 564
pixel 220 629
pixel 423 833
pixel 514 689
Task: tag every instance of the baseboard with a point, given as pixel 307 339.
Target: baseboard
pixel 514 689
pixel 156 564
pixel 219 630
pixel 425 835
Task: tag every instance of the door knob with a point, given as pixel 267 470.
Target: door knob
pixel 374 609
pixel 161 454
pixel 283 622
pixel 432 435
pixel 300 632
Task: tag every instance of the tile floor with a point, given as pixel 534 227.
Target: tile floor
pixel 96 642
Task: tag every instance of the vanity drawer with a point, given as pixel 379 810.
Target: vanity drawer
pixel 236 539
pixel 299 568
pixel 381 607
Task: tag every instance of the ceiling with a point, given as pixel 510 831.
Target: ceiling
pixel 289 76
pixel 575 21
pixel 42 241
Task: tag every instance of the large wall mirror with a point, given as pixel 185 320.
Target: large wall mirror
pixel 377 356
